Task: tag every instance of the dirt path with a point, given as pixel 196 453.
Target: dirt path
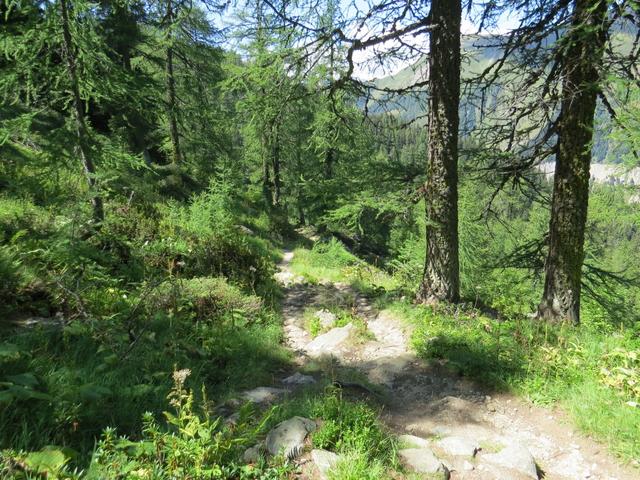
pixel 475 433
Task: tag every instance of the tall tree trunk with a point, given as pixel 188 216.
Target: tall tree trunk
pixel 82 134
pixel 266 178
pixel 441 276
pixel 171 88
pixel 563 266
pixel 328 163
pixel 277 182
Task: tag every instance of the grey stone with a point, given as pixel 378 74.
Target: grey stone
pixel 284 277
pixel 423 460
pixel 262 394
pixel 325 461
pixel 413 441
pixel 299 379
pixel 330 341
pixel 459 446
pixel 232 420
pixel 288 437
pixel 252 454
pixel 327 319
pixel 516 457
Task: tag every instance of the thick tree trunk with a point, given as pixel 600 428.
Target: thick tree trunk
pixel 441 277
pixel 171 89
pixel 563 267
pixel 82 134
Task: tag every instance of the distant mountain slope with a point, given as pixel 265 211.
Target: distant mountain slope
pixel 478 53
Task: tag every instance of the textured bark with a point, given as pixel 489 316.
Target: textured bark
pixel 82 134
pixel 275 163
pixel 563 266
pixel 171 88
pixel 441 277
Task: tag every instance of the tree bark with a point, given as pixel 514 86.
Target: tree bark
pixel 441 276
pixel 171 88
pixel 82 134
pixel 277 182
pixel 266 177
pixel 328 163
pixel 563 266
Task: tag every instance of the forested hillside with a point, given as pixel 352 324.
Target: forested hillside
pixel 225 255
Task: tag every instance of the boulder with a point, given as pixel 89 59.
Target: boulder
pixel 423 460
pixel 514 457
pixel 288 437
pixel 329 342
pixel 324 460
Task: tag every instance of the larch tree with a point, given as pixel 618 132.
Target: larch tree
pixel 551 82
pixel 580 87
pixel 169 25
pixel 441 277
pixel 82 134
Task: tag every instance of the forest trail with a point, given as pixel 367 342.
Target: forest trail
pixel 475 433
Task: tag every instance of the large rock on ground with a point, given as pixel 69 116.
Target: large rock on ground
pixel 329 342
pixel 514 457
pixel 288 437
pixel 459 446
pixel 423 460
pixel 324 460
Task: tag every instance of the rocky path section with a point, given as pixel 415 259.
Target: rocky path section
pixel 448 426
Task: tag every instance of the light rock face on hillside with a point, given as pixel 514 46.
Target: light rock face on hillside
pixel 602 173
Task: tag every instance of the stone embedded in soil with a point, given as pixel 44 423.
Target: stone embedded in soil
pixel 252 454
pixel 288 437
pixel 329 342
pixel 458 446
pixel 327 319
pixel 468 466
pixel 515 457
pixel 262 394
pixel 284 277
pixel 299 379
pixel 413 441
pixel 324 460
pixel 423 460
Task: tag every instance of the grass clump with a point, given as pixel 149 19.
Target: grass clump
pixel 348 427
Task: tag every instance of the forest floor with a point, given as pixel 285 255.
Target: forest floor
pixel 475 432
